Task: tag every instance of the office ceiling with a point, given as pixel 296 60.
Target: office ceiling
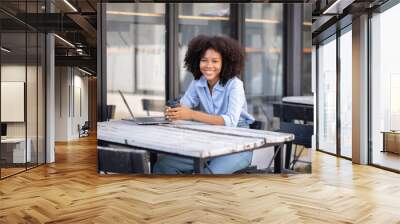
pixel 328 13
pixel 75 22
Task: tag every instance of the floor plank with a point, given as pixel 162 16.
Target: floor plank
pixel 71 191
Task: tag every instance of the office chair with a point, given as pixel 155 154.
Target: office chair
pixel 302 137
pixel 84 130
pixel 117 159
pixel 258 125
pixel 110 111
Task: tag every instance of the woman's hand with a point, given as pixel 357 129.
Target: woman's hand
pixel 178 113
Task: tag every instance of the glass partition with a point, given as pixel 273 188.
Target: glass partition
pixel 263 69
pixel 385 89
pixel 326 108
pixel 195 19
pixel 22 90
pixel 14 148
pixel 135 57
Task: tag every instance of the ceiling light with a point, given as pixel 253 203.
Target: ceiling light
pixel 65 41
pixel 84 71
pixel 70 5
pixel 204 17
pixel 338 6
pixel 5 50
pixel 270 21
pixel 134 14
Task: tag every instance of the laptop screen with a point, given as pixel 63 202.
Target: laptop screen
pixel 126 104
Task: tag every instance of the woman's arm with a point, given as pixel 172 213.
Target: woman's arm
pixel 230 118
pixel 185 113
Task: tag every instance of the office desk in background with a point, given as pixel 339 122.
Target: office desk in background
pixel 13 150
pixel 193 140
pixel 391 141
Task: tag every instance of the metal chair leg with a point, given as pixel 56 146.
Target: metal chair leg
pixel 297 157
pixel 294 157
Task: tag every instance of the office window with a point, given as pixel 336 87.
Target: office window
pixel 135 56
pixel 195 19
pixel 385 88
pixel 346 93
pixel 263 68
pixel 326 108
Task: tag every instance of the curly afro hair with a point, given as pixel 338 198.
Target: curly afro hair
pixel 231 52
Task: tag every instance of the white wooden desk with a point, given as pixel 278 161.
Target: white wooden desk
pixel 19 155
pixel 192 140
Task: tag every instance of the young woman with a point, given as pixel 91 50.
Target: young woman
pixel 214 62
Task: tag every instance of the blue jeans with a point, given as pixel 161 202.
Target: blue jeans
pixel 228 164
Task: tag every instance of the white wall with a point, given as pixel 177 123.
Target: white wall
pixel 80 103
pixel 71 95
pixel 14 73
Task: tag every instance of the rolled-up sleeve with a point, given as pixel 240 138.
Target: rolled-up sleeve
pixel 190 98
pixel 236 101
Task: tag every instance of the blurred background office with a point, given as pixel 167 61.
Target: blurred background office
pixel 146 43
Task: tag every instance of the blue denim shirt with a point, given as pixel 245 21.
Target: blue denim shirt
pixel 227 101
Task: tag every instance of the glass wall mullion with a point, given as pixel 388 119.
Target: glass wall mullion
pixel 1 64
pixel 338 124
pixel 369 55
pixel 171 53
pixel 26 88
pixel 37 91
pixel 316 97
pixel 37 99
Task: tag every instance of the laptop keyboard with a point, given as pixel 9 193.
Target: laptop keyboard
pixel 150 119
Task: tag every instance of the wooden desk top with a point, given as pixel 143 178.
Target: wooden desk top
pixel 189 138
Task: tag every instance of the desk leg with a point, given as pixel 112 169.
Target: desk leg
pixel 283 159
pixel 198 164
pixel 278 159
pixel 100 157
pixel 288 152
pixel 153 160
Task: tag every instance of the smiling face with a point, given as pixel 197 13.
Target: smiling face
pixel 211 65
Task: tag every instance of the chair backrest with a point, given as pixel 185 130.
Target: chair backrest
pixel 259 125
pixel 110 111
pixel 153 105
pixel 86 125
pixel 302 132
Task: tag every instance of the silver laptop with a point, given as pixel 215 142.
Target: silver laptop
pixel 143 120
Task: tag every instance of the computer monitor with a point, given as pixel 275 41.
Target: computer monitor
pixel 3 129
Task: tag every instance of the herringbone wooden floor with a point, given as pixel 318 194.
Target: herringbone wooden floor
pixel 70 191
